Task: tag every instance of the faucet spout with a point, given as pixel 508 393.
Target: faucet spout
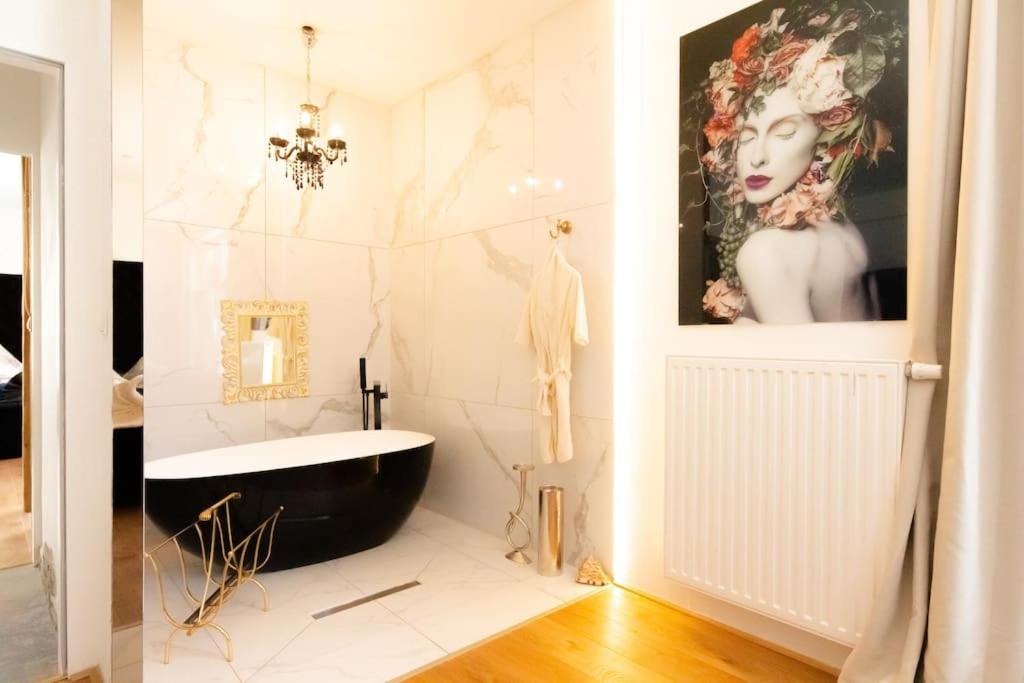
pixel 378 395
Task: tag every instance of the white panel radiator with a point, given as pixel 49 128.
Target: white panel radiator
pixel 781 482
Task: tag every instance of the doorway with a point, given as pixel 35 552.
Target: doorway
pixel 32 586
pixel 16 547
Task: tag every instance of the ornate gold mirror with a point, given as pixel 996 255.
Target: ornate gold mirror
pixel 265 350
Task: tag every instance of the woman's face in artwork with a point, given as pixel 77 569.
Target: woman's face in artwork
pixel 776 147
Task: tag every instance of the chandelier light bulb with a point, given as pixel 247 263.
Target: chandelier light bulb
pixel 335 132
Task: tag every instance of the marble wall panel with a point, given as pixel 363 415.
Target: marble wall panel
pixel 408 319
pixel 471 477
pixel 479 143
pixel 548 93
pixel 355 206
pixel 574 109
pixel 408 411
pixel 314 415
pixel 225 223
pixel 347 288
pixel 189 270
pixel 203 136
pixel 476 289
pixel 407 173
pixel 173 430
pixel 587 481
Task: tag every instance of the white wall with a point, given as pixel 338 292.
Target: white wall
pixel 19 135
pixel 11 218
pixel 222 222
pixel 647 110
pixel 77 35
pixel 465 252
pixel 19 117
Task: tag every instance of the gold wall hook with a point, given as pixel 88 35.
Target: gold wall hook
pixel 561 225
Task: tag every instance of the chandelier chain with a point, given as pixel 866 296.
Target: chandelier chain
pixel 309 49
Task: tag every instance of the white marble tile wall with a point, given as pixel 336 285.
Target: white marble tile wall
pixel 222 222
pixel 419 254
pixel 485 160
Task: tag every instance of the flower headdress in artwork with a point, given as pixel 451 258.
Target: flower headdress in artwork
pixel 831 54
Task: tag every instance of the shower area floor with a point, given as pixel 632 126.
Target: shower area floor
pixel 436 588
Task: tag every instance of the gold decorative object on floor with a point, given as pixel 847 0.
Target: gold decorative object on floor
pixel 239 563
pixel 518 554
pixel 591 573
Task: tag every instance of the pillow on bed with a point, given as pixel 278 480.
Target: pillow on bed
pixel 9 365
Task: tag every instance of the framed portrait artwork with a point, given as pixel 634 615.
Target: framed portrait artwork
pixel 793 164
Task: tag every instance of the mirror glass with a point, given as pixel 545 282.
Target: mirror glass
pixel 265 351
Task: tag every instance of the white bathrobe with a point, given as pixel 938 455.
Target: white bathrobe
pixel 555 317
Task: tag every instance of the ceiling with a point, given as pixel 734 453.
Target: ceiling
pixel 382 50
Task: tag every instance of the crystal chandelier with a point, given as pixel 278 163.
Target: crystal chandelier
pixel 304 158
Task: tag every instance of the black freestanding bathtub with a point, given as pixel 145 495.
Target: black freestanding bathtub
pixel 342 493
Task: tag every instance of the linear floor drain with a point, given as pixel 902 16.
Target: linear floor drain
pixel 363 600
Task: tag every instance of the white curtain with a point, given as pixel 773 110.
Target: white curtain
pixel 976 620
pixel 968 199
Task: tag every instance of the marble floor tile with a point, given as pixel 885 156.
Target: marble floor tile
pixel 455 614
pixel 126 647
pixel 366 643
pixel 130 673
pixel 402 559
pixel 490 550
pixel 467 591
pixel 195 659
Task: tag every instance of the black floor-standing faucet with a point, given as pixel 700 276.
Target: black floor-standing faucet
pixel 377 393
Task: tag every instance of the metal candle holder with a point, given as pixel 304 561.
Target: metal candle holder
pixel 517 555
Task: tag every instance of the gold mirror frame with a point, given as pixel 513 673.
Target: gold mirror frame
pixel 234 390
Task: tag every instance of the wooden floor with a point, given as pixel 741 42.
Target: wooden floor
pixel 127 567
pixel 617 635
pixel 15 524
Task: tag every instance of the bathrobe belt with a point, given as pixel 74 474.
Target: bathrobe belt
pixel 546 387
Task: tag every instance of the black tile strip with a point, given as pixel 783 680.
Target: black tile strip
pixel 363 600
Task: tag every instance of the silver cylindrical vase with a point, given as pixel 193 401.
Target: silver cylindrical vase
pixel 549 533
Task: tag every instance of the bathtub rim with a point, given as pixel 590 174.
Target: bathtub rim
pixel 266 456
